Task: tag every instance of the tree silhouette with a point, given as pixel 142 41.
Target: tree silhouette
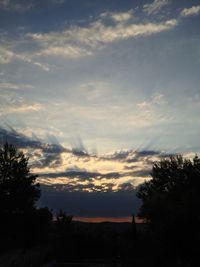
pixel 63 220
pixel 171 200
pixel 18 190
pixel 18 194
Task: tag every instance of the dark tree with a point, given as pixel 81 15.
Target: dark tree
pixel 18 190
pixel 171 200
pixel 63 220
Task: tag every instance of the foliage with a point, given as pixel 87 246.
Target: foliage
pixel 63 221
pixel 20 220
pixel 171 199
pixel 18 190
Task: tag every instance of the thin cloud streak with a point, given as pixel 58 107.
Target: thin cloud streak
pixel 119 16
pixel 155 7
pixel 6 85
pixel 97 33
pixel 16 6
pixel 78 42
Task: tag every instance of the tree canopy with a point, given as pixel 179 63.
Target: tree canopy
pixel 18 189
pixel 171 199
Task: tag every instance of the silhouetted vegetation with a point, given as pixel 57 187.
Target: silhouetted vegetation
pixel 21 223
pixel 18 192
pixel 33 237
pixel 171 204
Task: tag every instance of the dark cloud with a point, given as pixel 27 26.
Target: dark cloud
pixel 141 173
pixel 50 153
pixel 82 175
pixel 130 156
pixel 20 140
pixel 126 187
pixel 51 160
pixel 78 148
pixel 132 167
pixel 139 155
pixel 52 139
pixel 79 153
pixel 118 155
pixel 90 204
pixel 91 187
pixel 10 135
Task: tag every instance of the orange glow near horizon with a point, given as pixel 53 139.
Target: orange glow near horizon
pixel 107 219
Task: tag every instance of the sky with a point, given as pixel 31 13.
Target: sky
pixel 94 91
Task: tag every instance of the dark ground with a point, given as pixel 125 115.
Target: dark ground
pixel 95 244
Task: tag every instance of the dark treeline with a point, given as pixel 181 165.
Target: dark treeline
pixel 169 236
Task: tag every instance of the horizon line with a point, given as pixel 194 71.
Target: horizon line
pixel 99 219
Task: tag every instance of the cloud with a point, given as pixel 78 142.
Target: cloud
pixel 7 56
pixel 12 86
pixel 12 136
pixel 118 16
pixel 155 100
pixel 23 108
pixel 126 187
pixel 78 148
pixel 92 204
pixel 192 11
pixel 142 155
pixel 76 42
pixel 81 41
pixel 58 2
pixel 50 160
pixel 118 155
pixel 42 66
pixel 16 5
pixel 155 6
pixel 81 174
pixel 41 155
pixel 60 167
pixel 98 33
pixel 13 102
pixel 23 141
pixel 28 58
pixel 66 51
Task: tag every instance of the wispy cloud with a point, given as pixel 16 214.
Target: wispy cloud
pixel 24 108
pixel 58 2
pixel 58 167
pixel 7 85
pixel 118 16
pixel 192 11
pixel 66 51
pixel 156 99
pixel 12 102
pixel 7 56
pixel 16 5
pixel 155 6
pixel 81 41
pixel 95 35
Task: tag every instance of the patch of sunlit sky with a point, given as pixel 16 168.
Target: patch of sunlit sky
pixel 117 74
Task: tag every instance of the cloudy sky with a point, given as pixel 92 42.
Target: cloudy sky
pixel 112 84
